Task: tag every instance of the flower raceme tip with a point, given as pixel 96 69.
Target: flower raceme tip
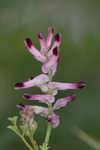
pixel 49 56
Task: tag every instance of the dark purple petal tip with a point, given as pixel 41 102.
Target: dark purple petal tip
pixel 28 42
pixel 81 84
pixel 19 85
pixel 31 78
pixel 20 105
pixel 40 36
pixel 57 37
pixel 52 29
pixel 27 96
pixel 49 119
pixel 55 51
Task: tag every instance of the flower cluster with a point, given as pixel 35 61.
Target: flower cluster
pixel 48 55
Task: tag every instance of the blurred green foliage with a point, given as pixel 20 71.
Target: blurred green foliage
pixel 79 23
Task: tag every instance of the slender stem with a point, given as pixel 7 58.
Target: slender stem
pixel 23 139
pixel 34 144
pixel 49 128
pixel 26 143
pixel 50 111
pixel 50 75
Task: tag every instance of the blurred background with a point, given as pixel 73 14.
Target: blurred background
pixel 79 23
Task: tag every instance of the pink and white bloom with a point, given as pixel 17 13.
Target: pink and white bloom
pixel 37 109
pixel 43 111
pixel 38 80
pixel 63 101
pixel 44 87
pixel 49 57
pixel 43 98
pixel 51 63
pixel 54 119
pixel 43 44
pixel 56 43
pixel 66 86
pixel 31 48
pixel 50 36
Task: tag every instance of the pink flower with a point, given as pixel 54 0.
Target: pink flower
pixel 43 98
pixel 38 80
pixel 66 86
pixel 43 111
pixel 50 36
pixel 51 63
pixel 63 101
pixel 34 51
pixel 54 119
pixel 42 43
pixel 56 43
pixel 45 44
pixel 37 109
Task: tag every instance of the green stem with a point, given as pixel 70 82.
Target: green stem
pixel 50 75
pixel 26 143
pixel 49 128
pixel 34 144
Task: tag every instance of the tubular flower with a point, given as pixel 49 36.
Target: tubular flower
pixel 63 101
pixel 27 117
pixel 38 80
pixel 42 111
pixel 43 98
pixel 33 50
pixel 66 86
pixel 49 58
pixel 50 63
pixel 57 43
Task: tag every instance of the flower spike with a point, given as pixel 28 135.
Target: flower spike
pixel 49 56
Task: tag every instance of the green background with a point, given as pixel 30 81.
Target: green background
pixel 79 23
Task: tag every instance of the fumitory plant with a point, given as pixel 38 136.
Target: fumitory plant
pixel 48 56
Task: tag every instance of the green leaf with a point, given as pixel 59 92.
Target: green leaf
pixel 13 119
pixel 25 130
pixel 14 129
pixel 44 147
